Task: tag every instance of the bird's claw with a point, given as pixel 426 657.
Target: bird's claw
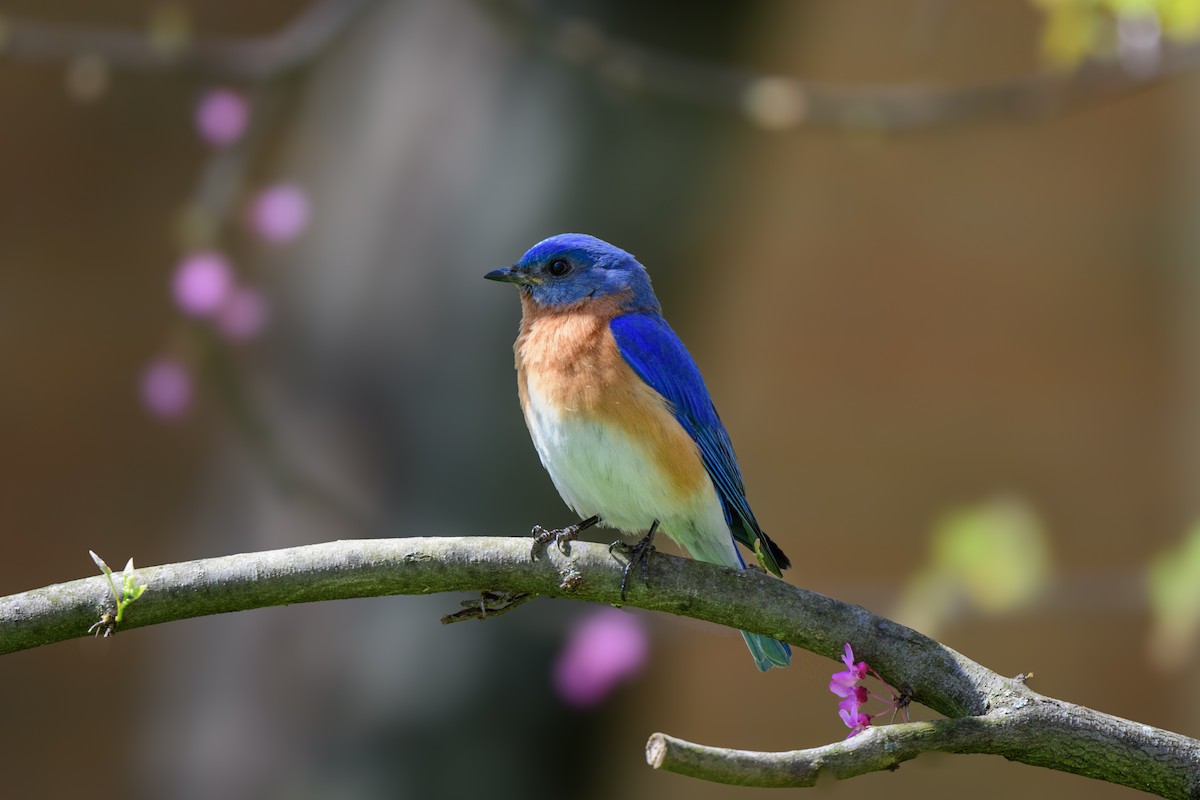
pixel 639 552
pixel 560 536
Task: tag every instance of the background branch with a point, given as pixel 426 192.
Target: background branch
pixel 778 102
pixel 291 47
pixel 997 714
pixel 783 102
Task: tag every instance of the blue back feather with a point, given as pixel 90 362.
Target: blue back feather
pixel 656 354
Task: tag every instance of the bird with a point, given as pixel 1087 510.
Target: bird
pixel 620 415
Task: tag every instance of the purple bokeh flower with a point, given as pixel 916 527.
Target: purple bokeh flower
pixel 221 117
pixel 606 648
pixel 166 388
pixel 243 315
pixel 202 282
pixel 280 213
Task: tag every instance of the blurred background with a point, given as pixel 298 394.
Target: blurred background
pixel 937 261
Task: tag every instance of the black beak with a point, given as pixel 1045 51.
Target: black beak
pixel 509 275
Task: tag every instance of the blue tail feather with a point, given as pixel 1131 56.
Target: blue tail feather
pixel 767 652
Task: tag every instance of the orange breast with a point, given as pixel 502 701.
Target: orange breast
pixel 571 359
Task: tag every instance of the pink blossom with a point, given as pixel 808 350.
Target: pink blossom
pixel 166 388
pixel 855 720
pixel 280 213
pixel 221 117
pixel 605 649
pixel 858 694
pixel 848 660
pixel 242 315
pixel 202 282
pixel 845 684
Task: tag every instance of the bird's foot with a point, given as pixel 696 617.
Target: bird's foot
pixel 639 552
pixel 560 536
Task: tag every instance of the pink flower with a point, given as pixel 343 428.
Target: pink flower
pixel 166 388
pixel 242 315
pixel 221 117
pixel 280 213
pixel 202 282
pixel 605 649
pixel 855 720
pixel 845 684
pixel 848 659
pixel 858 694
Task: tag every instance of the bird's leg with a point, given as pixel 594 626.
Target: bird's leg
pixel 637 552
pixel 561 536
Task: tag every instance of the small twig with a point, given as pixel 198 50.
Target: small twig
pixel 875 749
pixel 784 102
pixel 772 101
pixel 1023 728
pixel 296 44
pixel 489 604
pixel 124 597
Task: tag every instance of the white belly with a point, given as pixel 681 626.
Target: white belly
pixel 600 470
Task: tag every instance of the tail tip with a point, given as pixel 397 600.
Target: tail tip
pixel 767 652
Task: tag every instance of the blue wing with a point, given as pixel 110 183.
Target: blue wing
pixel 657 355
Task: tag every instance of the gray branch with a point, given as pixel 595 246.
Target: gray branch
pixel 1027 727
pixel 989 713
pixel 293 46
pixel 784 102
pixel 790 103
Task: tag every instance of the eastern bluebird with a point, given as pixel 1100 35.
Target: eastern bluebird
pixel 620 415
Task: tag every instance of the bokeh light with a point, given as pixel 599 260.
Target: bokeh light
pixel 221 117
pixel 202 282
pixel 166 388
pixel 280 213
pixel 606 648
pixel 242 315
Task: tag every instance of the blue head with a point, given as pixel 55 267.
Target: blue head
pixel 572 268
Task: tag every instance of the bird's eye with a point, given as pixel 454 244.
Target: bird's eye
pixel 558 267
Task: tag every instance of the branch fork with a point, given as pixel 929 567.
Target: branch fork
pixel 987 712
